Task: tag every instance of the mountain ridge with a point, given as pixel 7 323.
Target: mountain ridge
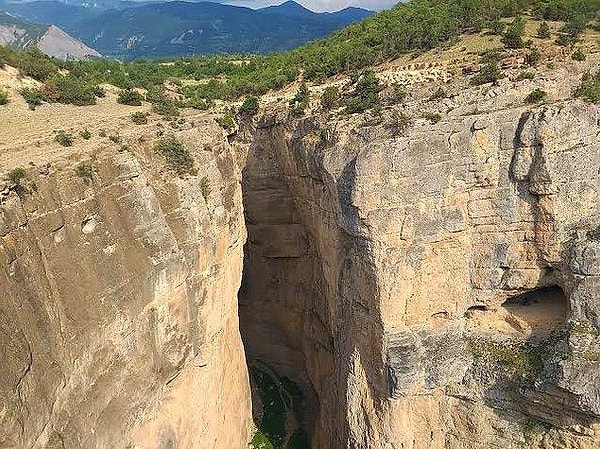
pixel 188 27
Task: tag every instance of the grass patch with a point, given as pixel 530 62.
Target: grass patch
pixel 523 359
pixel 3 97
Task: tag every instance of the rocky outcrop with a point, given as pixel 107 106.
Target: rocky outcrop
pixel 431 287
pixel 118 302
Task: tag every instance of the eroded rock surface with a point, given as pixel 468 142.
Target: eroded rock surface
pixel 400 276
pixel 118 302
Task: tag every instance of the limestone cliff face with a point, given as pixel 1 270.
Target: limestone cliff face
pixel 118 303
pixel 436 287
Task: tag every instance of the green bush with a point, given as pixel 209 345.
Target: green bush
pixel 398 123
pixel 176 154
pixel 249 107
pixel 69 90
pixel 400 92
pixel 536 96
pixel 571 31
pixel 301 100
pixel 33 96
pixel 3 97
pixel 115 138
pixel 85 134
pixel 99 91
pixel 589 89
pixel 525 75
pixel 433 117
pixel 226 122
pixel 330 97
pixel 578 55
pixel 85 171
pixel 439 94
pixel 533 56
pixel 161 103
pixel 130 97
pixel 139 118
pixel 16 175
pixel 64 138
pixel 490 73
pixel 35 64
pixel 366 93
pixel 543 30
pixel 513 36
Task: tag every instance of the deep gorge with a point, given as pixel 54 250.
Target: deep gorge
pixel 436 288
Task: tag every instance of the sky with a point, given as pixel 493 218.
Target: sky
pixel 321 5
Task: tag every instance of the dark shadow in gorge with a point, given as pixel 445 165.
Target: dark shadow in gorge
pixel 308 305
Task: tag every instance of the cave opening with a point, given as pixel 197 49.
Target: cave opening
pixel 539 311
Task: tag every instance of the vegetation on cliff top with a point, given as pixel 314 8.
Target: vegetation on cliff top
pixel 418 26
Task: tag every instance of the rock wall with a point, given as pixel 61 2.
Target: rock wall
pixel 118 302
pixel 435 287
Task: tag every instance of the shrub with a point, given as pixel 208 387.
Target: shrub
pixel 330 97
pixel 490 73
pixel 438 94
pixel 497 27
pixel 3 97
pixel 99 91
pixel 139 118
pixel 536 96
pixel 578 55
pixel 85 134
pixel 102 133
pixel 161 103
pixel 130 97
pixel 16 175
pixel 64 138
pixel 227 122
pixel 533 57
pixel 300 101
pixel 69 90
pixel 571 30
pixel 116 138
pixel 589 89
pixel 433 117
pixel 37 65
pixel 513 36
pixel 85 171
pixel 176 154
pixel 205 188
pixel 399 92
pixel 249 107
pixel 366 93
pixel 594 233
pixel 33 96
pixel 398 123
pixel 543 30
pixel 525 76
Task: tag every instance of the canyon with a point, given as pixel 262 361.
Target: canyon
pixel 424 285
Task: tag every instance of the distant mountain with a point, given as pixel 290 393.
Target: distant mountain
pixel 161 29
pixel 49 39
